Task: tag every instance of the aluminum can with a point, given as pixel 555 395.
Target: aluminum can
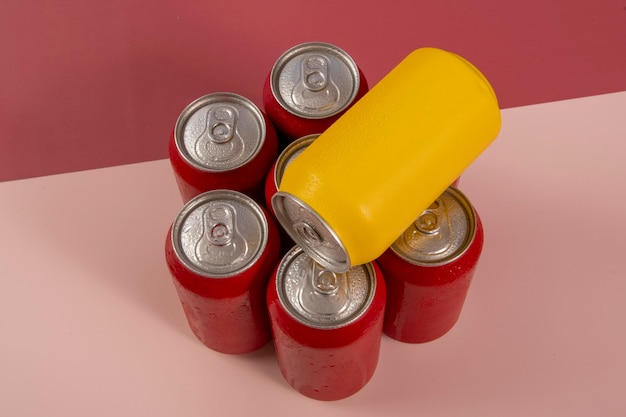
pixel 222 141
pixel 327 326
pixel 429 268
pixel 221 250
pixel 309 87
pixel 424 122
pixel 275 174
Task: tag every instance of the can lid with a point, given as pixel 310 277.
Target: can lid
pixel 219 233
pixel 315 80
pixel 309 230
pixel 320 298
pixel 441 234
pixel 219 132
pixel 290 153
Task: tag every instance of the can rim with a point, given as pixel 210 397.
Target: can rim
pixel 470 214
pixel 312 247
pixel 326 47
pixel 201 199
pixel 202 101
pixel 286 155
pixel 284 266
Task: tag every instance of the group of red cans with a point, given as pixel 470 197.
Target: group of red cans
pixel 241 280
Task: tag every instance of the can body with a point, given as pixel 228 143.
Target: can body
pixel 327 344
pixel 275 173
pixel 424 122
pixel 221 250
pixel 309 87
pixel 222 141
pixel 429 269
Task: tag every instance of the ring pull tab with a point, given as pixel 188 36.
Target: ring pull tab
pixel 432 225
pixel 315 88
pixel 323 293
pixel 220 140
pixel 221 243
pixel 308 234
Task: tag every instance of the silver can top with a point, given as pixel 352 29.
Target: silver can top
pixel 310 231
pixel 290 153
pixel 314 80
pixel 219 233
pixel 320 298
pixel 441 234
pixel 219 132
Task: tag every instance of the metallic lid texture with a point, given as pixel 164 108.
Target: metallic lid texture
pixel 314 80
pixel 294 149
pixel 441 234
pixel 320 298
pixel 220 233
pixel 219 132
pixel 310 231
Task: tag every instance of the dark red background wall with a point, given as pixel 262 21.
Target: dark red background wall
pixel 88 84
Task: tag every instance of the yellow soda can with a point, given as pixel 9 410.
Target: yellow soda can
pixel 352 192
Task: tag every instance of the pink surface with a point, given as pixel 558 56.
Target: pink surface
pixel 92 84
pixel 91 324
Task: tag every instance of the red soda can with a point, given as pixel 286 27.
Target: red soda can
pixel 429 268
pixel 309 87
pixel 327 326
pixel 221 250
pixel 222 141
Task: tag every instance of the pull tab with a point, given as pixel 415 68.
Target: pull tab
pixel 315 88
pixel 431 232
pixel 308 234
pixel 221 243
pixel 220 141
pixel 323 293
